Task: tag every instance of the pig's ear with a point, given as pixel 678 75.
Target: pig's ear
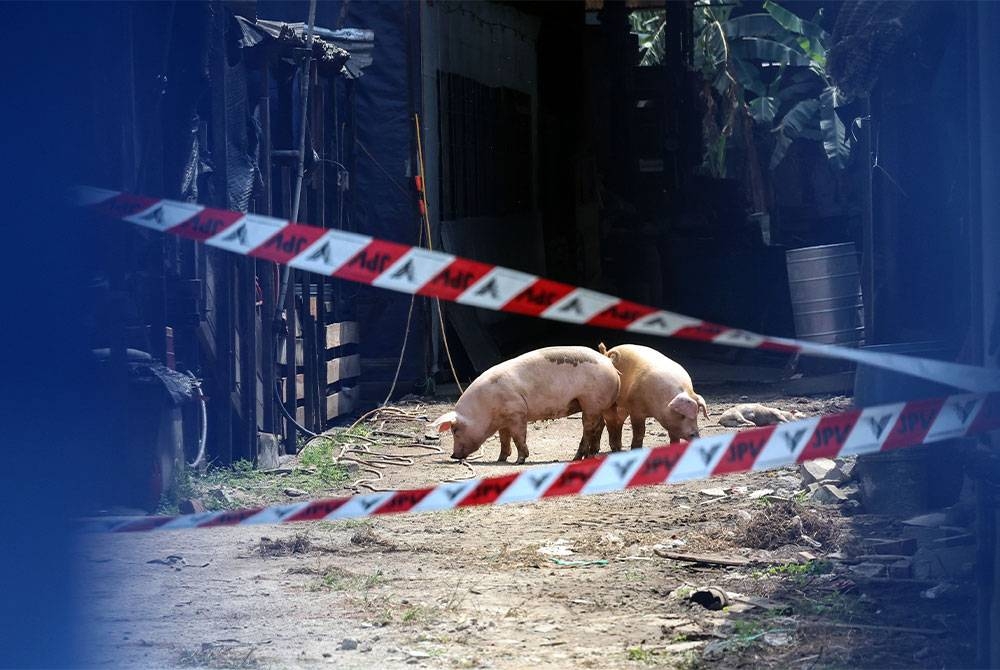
pixel 702 405
pixel 443 422
pixel 684 405
pixel 601 348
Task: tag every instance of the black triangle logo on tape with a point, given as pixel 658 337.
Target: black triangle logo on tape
pixel 538 480
pixel 964 410
pixel 708 453
pixel 659 322
pixel 574 305
pixel 323 252
pixel 624 467
pixel 406 270
pixel 156 215
pixel 490 287
pixel 239 236
pixel 878 425
pixel 368 504
pixel 793 438
pixel 454 492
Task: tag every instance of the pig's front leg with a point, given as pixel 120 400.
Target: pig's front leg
pixel 504 446
pixel 638 430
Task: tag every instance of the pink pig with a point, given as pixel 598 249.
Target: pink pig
pixel 652 386
pixel 546 383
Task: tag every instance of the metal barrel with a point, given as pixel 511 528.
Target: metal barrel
pixel 825 288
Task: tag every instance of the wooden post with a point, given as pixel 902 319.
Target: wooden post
pixel 220 260
pixel 319 98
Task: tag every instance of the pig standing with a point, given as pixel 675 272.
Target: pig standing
pixel 652 385
pixel 547 383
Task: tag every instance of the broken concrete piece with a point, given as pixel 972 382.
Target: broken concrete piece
pixel 901 569
pixel 904 546
pixel 714 492
pixel 846 468
pixel 818 470
pixel 869 569
pixel 828 494
pixel 760 493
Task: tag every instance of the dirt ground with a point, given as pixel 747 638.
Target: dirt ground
pixel 566 583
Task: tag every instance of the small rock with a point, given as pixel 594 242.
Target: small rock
pixel 714 492
pixel 818 470
pixel 828 494
pixel 680 647
pixel 348 644
pixel 777 639
pixel 295 493
pixel 416 653
pixel 365 648
pixel 760 493
pixel 744 516
pixel 740 490
pixel 545 628
pixel 327 654
pixel 191 506
pixel 938 591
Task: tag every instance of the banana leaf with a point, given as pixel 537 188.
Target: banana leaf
pixel 781 144
pixel 834 140
pixel 799 118
pixel 747 75
pixel 768 51
pixel 763 109
pixel 793 23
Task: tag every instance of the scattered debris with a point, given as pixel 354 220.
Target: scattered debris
pixel 367 537
pixel 347 644
pixel 705 559
pixel 579 564
pixel 174 561
pixel 714 492
pixel 297 544
pixel 761 493
pixel 785 522
pixel 932 520
pixel 777 638
pixel 295 493
pixel 560 547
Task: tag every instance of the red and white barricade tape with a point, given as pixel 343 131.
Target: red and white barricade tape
pixel 412 270
pixel 856 432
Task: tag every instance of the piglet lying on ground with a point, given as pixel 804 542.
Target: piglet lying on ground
pixel 546 383
pixel 652 386
pixel 753 414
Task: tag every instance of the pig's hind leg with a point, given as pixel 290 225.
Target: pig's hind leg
pixel 638 430
pixel 520 435
pixel 504 446
pixel 615 419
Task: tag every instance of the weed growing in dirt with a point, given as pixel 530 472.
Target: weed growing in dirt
pixel 211 656
pixel 180 489
pixel 338 579
pixel 799 571
pixel 297 544
pixel 640 655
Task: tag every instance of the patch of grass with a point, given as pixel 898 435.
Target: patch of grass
pixel 338 579
pixel 297 544
pixel 640 655
pixel 212 656
pixel 180 488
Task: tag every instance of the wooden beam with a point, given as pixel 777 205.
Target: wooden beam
pixel 337 334
pixel 337 404
pixel 337 370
